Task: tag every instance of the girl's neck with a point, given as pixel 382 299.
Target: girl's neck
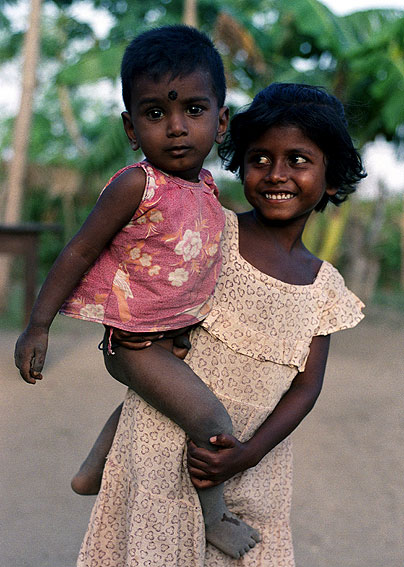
pixel 277 250
pixel 286 235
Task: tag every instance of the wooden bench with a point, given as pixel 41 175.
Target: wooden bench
pixel 23 240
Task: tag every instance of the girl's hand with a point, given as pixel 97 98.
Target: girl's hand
pixel 30 352
pixel 210 468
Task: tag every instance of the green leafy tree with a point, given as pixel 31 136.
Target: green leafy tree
pixel 359 57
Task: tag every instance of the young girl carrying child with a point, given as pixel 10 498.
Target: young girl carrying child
pixel 262 350
pixel 148 256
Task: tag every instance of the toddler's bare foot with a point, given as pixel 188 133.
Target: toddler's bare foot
pixel 231 535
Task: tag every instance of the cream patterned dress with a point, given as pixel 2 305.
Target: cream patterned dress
pixel 248 350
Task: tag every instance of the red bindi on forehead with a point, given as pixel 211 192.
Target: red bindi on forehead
pixel 172 95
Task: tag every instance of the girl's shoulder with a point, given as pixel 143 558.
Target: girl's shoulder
pixel 231 219
pixel 340 307
pixel 329 276
pixel 329 282
pixel 230 235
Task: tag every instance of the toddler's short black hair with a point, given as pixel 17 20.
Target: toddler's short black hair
pixel 179 50
pixel 318 114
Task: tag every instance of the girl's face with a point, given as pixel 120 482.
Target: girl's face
pixel 284 174
pixel 175 122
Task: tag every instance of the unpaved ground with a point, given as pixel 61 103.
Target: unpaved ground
pixel 349 481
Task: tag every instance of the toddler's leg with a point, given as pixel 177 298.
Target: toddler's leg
pixel 169 385
pixel 88 479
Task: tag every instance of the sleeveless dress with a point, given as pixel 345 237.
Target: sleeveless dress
pixel 159 271
pixel 248 350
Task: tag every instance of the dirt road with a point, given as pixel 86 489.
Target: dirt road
pixel 349 467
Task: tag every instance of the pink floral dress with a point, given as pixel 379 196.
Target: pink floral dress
pixel 160 270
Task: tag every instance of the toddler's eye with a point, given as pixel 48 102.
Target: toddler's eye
pixel 154 114
pixel 195 109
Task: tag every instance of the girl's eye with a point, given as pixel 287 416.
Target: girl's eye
pixel 298 159
pixel 195 109
pixel 262 160
pixel 154 114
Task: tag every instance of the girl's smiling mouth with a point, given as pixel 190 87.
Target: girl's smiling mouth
pixel 279 196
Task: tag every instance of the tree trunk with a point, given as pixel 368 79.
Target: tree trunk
pixel 70 120
pixel 190 17
pixel 14 194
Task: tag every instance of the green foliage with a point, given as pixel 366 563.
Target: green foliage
pixel 10 47
pixel 40 207
pixel 58 34
pixel 378 66
pixel 392 300
pixel 94 65
pixel 4 23
pixel 232 194
pixel 359 57
pixel 388 250
pixel 312 20
pixel 110 148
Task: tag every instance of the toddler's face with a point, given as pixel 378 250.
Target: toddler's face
pixel 175 122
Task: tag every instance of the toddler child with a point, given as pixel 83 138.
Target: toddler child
pixel 148 256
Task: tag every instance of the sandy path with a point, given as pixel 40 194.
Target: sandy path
pixel 349 469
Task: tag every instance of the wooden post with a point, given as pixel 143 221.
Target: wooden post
pixel 23 240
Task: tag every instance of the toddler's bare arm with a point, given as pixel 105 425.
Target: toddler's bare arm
pixel 113 210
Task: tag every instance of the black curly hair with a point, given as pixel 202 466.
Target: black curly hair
pixel 318 114
pixel 178 50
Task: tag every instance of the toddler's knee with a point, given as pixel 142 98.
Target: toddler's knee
pixel 224 424
pixel 213 423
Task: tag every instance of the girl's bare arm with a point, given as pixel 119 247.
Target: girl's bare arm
pixel 113 210
pixel 208 468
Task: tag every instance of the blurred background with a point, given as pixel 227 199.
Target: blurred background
pixel 61 138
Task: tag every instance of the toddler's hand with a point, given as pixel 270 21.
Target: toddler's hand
pixel 134 341
pixel 210 468
pixel 181 345
pixel 178 344
pixel 30 352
